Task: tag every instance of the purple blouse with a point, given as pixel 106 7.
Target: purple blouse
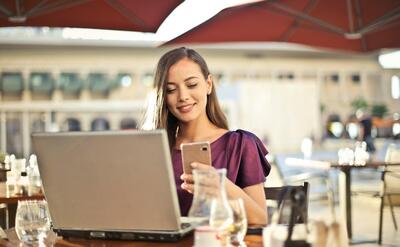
pixel 240 152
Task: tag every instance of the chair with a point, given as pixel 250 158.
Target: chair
pixel 299 170
pixel 320 177
pixel 100 124
pixel 390 180
pixel 280 195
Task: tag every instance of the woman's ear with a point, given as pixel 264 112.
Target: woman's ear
pixel 209 84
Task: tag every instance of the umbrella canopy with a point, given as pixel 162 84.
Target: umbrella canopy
pixel 130 15
pixel 352 25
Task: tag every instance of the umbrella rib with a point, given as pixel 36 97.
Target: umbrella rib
pixel 4 9
pixel 61 4
pixel 388 17
pixel 130 16
pixel 360 24
pixel 350 15
pixel 36 7
pixel 310 5
pixel 18 7
pixel 311 19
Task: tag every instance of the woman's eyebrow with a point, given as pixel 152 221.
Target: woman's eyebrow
pixel 186 80
pixel 190 77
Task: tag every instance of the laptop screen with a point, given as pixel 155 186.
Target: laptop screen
pixel 114 180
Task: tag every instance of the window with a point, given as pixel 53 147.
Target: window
pixel 70 83
pixel 395 87
pixel 98 83
pixel 12 83
pixel 41 83
pixel 128 123
pixel 71 124
pixel 286 76
pixel 355 78
pixel 148 79
pixel 332 77
pixel 14 134
pixel 123 80
pixel 100 124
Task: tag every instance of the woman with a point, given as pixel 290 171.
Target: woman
pixel 187 107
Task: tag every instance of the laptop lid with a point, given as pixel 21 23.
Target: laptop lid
pixel 109 181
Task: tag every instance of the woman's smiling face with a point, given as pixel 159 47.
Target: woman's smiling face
pixel 187 90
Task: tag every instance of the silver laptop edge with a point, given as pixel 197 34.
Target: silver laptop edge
pixel 109 181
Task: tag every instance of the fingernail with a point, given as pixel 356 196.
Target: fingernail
pixel 182 177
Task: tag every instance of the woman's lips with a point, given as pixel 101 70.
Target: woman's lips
pixel 185 108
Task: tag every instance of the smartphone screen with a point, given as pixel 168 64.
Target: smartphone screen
pixel 195 152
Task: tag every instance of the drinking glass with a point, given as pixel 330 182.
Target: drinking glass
pixel 221 216
pixel 32 222
pixel 238 229
pixel 210 201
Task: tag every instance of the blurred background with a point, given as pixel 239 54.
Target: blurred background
pixel 60 79
pixel 293 72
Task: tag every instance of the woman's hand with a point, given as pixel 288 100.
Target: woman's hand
pixel 253 196
pixel 188 180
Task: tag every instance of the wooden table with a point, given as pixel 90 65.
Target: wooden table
pixel 7 199
pixel 251 241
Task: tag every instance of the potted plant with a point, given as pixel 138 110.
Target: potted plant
pixel 379 110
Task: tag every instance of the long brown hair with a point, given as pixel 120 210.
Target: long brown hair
pixel 163 117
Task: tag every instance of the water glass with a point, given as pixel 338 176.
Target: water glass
pixel 32 222
pixel 238 229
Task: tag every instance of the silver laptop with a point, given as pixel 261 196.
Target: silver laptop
pixel 111 185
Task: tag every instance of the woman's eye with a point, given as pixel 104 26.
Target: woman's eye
pixel 192 85
pixel 170 90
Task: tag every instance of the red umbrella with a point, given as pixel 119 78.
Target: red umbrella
pixel 353 25
pixel 131 15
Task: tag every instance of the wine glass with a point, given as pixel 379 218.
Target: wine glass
pixel 32 222
pixel 238 229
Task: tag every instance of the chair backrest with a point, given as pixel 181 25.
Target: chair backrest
pixel 393 153
pixel 393 156
pixel 392 177
pixel 281 194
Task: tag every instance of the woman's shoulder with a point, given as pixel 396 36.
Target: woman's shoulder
pixel 242 135
pixel 242 139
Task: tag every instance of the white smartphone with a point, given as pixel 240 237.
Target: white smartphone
pixel 195 152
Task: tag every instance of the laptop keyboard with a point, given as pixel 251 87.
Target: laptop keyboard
pixel 185 225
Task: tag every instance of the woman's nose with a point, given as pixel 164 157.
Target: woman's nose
pixel 183 95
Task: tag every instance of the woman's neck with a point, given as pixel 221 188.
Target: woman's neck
pixel 195 131
pixel 200 130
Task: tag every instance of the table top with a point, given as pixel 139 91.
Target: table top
pixel 326 164
pixel 4 198
pixel 251 241
pixel 368 164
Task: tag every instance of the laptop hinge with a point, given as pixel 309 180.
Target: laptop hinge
pixel 97 234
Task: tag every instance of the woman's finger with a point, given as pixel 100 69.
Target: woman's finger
pixel 188 187
pixel 187 178
pixel 201 166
